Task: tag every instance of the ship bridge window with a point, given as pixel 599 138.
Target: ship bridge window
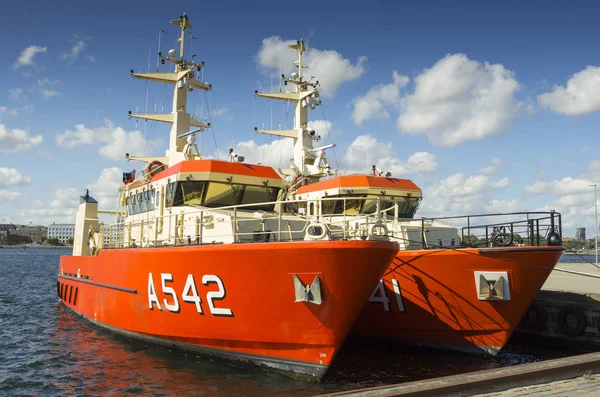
pixel 223 194
pixel 349 206
pixel 140 202
pixel 363 204
pixel 217 194
pixel 370 205
pixel 188 193
pixel 259 194
pixel 407 206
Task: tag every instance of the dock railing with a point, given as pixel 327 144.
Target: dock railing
pixel 502 229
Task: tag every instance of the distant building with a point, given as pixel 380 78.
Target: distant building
pixel 580 234
pixel 61 231
pixel 109 240
pixel 5 229
pixel 36 234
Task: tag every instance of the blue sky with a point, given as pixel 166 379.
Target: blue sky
pixel 487 107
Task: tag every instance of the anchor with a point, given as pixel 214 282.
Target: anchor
pixel 310 293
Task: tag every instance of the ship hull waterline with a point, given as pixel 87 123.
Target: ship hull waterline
pixel 236 301
pixel 432 297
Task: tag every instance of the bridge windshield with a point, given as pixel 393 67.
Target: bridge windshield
pixel 220 194
pixel 364 204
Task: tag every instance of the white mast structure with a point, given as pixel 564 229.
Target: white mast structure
pixel 184 78
pixel 308 161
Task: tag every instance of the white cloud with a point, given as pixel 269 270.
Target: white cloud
pixel 8 196
pixel 580 96
pixel 47 87
pixel 68 197
pixel 6 111
pixel 366 151
pixel 12 177
pixel 374 105
pixel 592 171
pixel 105 188
pixel 91 58
pixel 564 186
pixel 500 206
pixel 17 140
pixel 459 194
pixel 113 141
pixel 321 127
pixel 421 162
pixel 16 94
pixel 221 112
pixel 27 56
pixel 276 153
pixel 459 100
pixel 79 44
pixel 62 207
pixel 496 161
pixel 573 197
pixel 328 66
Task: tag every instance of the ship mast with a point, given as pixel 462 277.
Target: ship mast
pixel 308 161
pixel 184 79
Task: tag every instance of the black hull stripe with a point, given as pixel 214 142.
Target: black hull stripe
pixel 82 280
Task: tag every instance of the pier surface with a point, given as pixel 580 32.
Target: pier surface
pixel 582 386
pixel 551 376
pixel 581 278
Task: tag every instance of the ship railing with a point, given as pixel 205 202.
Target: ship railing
pixel 243 223
pixel 497 230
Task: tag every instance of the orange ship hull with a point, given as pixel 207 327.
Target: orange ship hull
pixel 234 300
pixel 431 297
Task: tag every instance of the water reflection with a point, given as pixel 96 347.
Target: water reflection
pixel 101 362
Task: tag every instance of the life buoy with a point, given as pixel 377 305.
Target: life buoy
pixel 500 238
pixel 553 239
pixel 571 320
pixel 299 180
pixel 535 318
pixel 316 231
pixel 154 168
pixel 91 242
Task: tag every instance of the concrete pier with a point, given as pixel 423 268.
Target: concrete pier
pixel 568 306
pixel 581 370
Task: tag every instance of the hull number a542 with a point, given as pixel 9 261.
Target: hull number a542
pixel 188 295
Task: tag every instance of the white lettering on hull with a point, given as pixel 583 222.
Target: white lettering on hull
pixel 379 296
pixel 188 295
pixel 152 298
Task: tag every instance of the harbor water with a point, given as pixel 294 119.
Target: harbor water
pixel 47 350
